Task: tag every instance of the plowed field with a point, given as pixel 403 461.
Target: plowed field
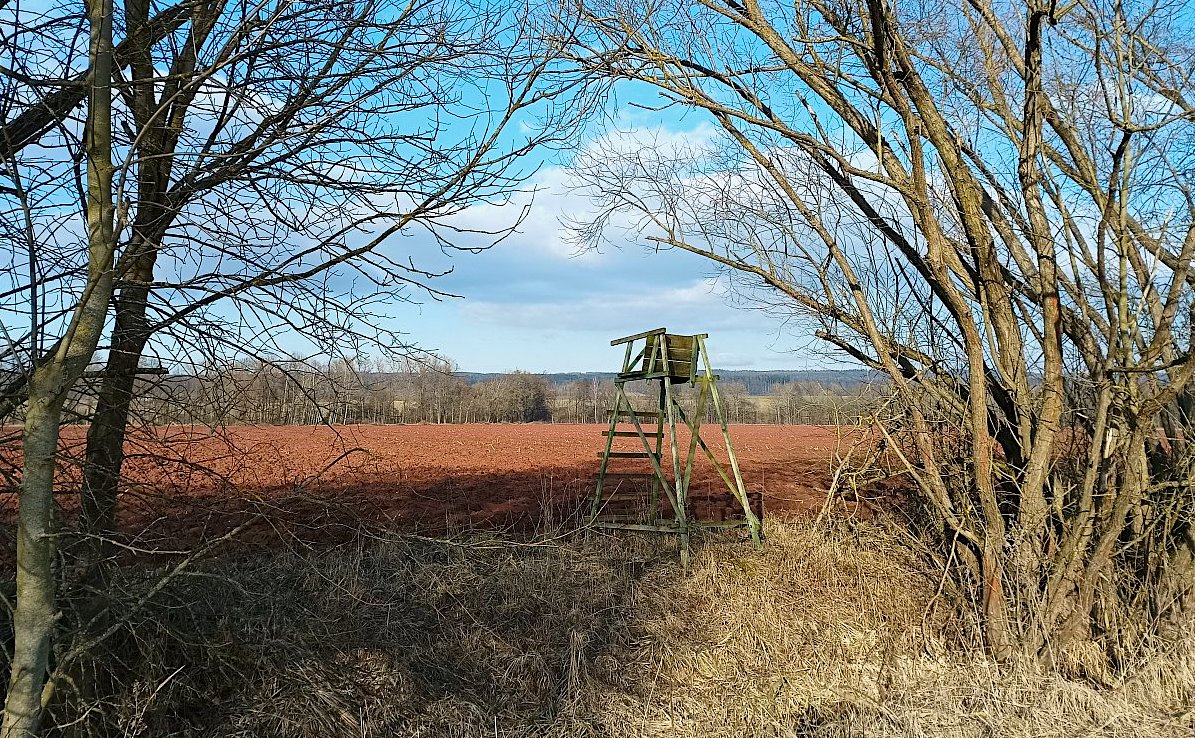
pixel 320 483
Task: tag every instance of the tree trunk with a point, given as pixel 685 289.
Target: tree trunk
pixel 106 435
pixel 33 621
pixel 36 609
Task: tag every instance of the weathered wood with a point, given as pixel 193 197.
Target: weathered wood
pixel 676 360
pixel 637 336
pixel 627 475
pixel 739 490
pixel 668 526
pixel 648 416
pixel 668 359
pixel 661 481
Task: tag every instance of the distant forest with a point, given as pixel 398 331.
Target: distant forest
pixel 757 383
pixel 339 392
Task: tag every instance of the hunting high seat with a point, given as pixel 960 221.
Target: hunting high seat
pixel 656 498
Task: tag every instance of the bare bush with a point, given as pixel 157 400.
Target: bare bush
pixel 990 203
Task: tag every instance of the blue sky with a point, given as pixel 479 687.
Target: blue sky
pixel 525 307
pixel 532 302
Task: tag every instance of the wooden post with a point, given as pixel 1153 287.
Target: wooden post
pixel 740 491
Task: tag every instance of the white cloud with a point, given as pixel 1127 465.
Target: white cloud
pixel 731 360
pixel 694 307
pixel 533 302
pixel 555 198
pixel 550 199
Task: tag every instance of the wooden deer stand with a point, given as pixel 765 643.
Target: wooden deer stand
pixel 664 359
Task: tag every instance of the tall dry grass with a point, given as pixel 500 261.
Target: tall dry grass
pixel 829 631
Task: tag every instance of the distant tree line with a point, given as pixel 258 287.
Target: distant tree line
pixel 431 390
pixel 755 382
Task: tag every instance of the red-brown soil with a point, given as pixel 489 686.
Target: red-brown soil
pixel 320 483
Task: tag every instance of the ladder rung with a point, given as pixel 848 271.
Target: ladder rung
pixel 626 475
pixel 648 415
pixel 636 375
pixel 625 434
pixel 628 455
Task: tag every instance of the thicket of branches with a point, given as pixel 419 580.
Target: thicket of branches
pixel 197 179
pixel 991 202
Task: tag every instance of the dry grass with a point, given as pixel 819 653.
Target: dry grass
pixel 821 634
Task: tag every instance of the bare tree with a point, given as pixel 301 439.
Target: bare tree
pixel 48 381
pixel 524 398
pixel 990 203
pixel 241 173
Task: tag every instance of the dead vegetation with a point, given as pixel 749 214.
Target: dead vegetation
pixel 829 631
